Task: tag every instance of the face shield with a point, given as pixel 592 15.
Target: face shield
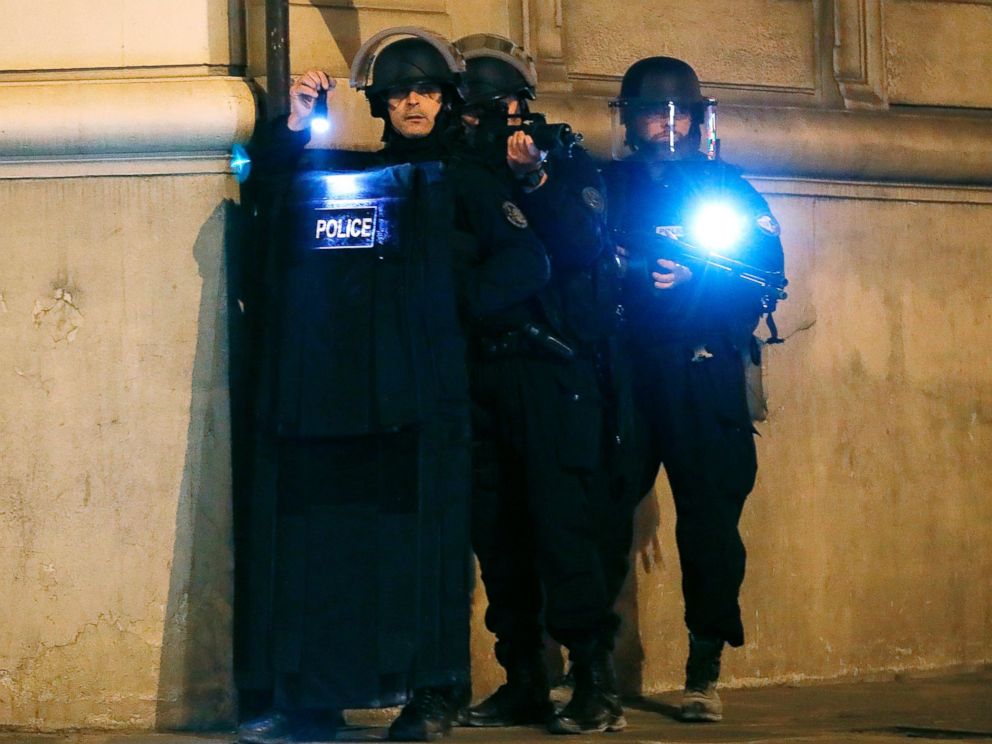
pixel 361 67
pixel 662 129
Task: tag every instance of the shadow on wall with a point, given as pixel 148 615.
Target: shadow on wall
pixel 196 687
pixel 628 655
pixel 345 28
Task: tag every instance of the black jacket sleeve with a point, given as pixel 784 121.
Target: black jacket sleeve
pixel 568 212
pixel 275 149
pixel 511 264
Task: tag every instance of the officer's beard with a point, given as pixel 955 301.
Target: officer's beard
pixel 686 147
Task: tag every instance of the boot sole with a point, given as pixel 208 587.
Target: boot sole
pixel 538 716
pixel 469 723
pixel 618 724
pixel 433 736
pixel 560 726
pixel 257 738
pixel 698 716
pixel 408 735
pixel 698 707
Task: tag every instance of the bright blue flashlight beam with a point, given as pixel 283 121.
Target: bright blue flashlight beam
pixel 343 185
pixel 320 123
pixel 716 226
pixel 240 163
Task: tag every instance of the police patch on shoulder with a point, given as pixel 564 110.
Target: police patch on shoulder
pixel 514 215
pixel 593 199
pixel 769 225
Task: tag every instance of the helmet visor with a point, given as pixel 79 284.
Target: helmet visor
pixel 661 130
pixel 361 67
pixel 499 47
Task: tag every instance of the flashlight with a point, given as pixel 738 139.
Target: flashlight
pixel 240 163
pixel 319 123
pixel 716 226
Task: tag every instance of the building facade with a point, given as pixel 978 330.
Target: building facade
pixel 866 123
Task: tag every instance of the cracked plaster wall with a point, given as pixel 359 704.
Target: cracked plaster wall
pixel 114 468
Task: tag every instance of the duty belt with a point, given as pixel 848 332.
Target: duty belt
pixel 529 339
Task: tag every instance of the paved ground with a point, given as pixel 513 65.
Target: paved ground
pixel 945 708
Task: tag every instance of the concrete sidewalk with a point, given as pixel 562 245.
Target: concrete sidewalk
pixel 944 708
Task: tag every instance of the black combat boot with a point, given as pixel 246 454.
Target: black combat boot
pixel 700 701
pixel 294 726
pixel 426 717
pixel 595 705
pixel 523 700
pixel 272 728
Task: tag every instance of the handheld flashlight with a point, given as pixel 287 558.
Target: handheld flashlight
pixel 320 123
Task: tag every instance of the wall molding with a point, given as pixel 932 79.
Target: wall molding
pixel 416 6
pixel 859 53
pixel 814 143
pixel 84 123
pixel 174 126
pixel 872 190
pixel 86 74
pixel 544 39
pixel 595 84
pixel 164 164
pixel 945 2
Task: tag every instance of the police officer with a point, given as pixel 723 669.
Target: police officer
pixel 545 418
pixel 406 463
pixel 412 84
pixel 689 325
pixel 371 570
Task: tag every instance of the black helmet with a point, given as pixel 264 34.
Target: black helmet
pixel 661 79
pixel 655 84
pixel 422 57
pixel 409 62
pixel 495 67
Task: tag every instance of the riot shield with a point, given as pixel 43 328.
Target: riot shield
pixel 364 578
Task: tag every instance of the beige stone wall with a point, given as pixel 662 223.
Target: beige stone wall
pixel 115 500
pixel 938 54
pixel 115 478
pixel 865 123
pixel 118 37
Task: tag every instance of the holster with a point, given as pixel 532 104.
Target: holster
pixel 530 339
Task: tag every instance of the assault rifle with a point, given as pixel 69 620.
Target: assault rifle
pixel 653 245
pixel 547 137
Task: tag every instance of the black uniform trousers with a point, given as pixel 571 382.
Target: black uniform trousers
pixel 371 579
pixel 541 500
pixel 693 410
